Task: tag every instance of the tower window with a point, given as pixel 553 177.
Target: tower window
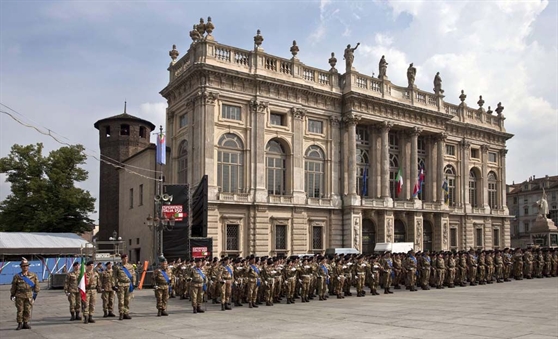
pixel 142 133
pixel 107 131
pixel 124 129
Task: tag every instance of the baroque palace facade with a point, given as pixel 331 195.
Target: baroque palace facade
pixel 288 149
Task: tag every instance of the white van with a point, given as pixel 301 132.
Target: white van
pixel 394 247
pixel 339 250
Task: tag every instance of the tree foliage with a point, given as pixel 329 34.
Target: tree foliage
pixel 44 197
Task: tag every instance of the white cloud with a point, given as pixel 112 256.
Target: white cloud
pixel 154 112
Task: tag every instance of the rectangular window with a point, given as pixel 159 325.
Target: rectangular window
pixel 515 200
pixel 280 237
pixel 107 131
pixel 362 135
pixel 450 150
pixel 137 241
pixel 451 192
pixel 141 195
pixel 492 157
pixel 526 211
pixel 478 237
pixel 553 196
pixel 421 146
pixel 124 129
pixel 131 198
pixel 129 242
pixel 474 153
pixel 453 237
pixel 183 120
pixel 276 119
pixel 233 237
pixel 315 126
pixel 496 238
pixel 231 112
pixel 317 238
pixel 526 226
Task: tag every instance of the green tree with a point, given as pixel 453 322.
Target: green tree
pixel 44 197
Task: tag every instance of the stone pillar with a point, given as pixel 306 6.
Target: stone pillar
pixel 414 157
pixel 377 162
pixel 351 121
pixel 385 127
pixel 416 220
pixel 335 168
pixel 464 154
pixel 208 101
pixel 430 172
pixel 502 178
pixel 441 144
pixel 259 111
pixel 300 235
pixel 405 165
pixel 484 177
pixel 297 166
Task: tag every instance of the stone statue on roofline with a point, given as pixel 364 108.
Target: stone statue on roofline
pixel 349 56
pixel 383 68
pixel 438 84
pixel 411 75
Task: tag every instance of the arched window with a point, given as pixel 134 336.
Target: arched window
pixel 314 172
pixel 421 174
pixel 276 161
pixel 363 164
pixel 399 231
pixel 183 162
pixel 230 164
pixel 427 236
pixel 473 197
pixel 450 173
pixel 393 169
pixel 368 236
pixel 492 190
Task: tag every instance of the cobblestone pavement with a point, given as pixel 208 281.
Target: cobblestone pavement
pixel 520 309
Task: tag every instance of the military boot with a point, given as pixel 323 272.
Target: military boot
pixel 73 316
pixel 158 313
pixel 127 316
pixel 195 310
pixel 121 316
pixel 85 319
pixel 222 307
pixel 164 313
pixel 91 319
pixel 200 310
pixel 110 314
pixel 19 326
pixel 77 316
pixel 26 326
pixel 105 314
pixel 228 307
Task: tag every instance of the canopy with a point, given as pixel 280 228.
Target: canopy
pixel 46 244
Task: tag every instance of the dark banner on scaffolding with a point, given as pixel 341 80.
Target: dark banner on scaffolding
pixel 175 240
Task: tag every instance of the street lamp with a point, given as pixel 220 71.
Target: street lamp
pixel 116 240
pixel 160 222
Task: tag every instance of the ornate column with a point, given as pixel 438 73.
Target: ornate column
pixel 502 178
pixel 414 156
pixel 335 169
pixel 376 165
pixel 464 154
pixel 484 176
pixel 405 164
pixel 441 144
pixel 430 172
pixel 351 121
pixel 297 166
pixel 385 127
pixel 259 110
pixel 207 159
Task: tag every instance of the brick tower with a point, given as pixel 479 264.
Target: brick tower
pixel 120 137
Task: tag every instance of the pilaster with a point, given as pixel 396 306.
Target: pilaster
pixel 299 196
pixel 441 144
pixel 259 110
pixel 484 177
pixel 301 230
pixel 414 133
pixel 351 121
pixel 385 127
pixel 465 149
pixel 335 165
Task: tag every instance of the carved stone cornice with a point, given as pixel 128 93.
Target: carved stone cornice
pixel 351 119
pixel 258 105
pixel 484 148
pixel 298 113
pixel 335 121
pixel 503 152
pixel 208 98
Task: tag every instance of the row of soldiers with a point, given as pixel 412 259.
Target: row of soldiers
pixel 257 280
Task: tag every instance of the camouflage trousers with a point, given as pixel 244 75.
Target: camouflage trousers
pixel 268 291
pixel 450 276
pixel 252 290
pixel 489 273
pixel 518 270
pixel 290 284
pixel 322 286
pixel 75 301
pixel 340 281
pixel 24 308
pixel 387 279
pixel 506 271
pixel 108 300
pixel 88 305
pixel 411 277
pixel 225 290
pixel 374 280
pixel 462 275
pixel 305 286
pixel 441 276
pixel 277 286
pixel 499 272
pixel 360 277
pixel 425 276
pixel 162 296
pixel 124 297
pixel 196 294
pixel 473 274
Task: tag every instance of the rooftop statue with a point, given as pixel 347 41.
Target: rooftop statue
pixel 411 75
pixel 383 68
pixel 349 56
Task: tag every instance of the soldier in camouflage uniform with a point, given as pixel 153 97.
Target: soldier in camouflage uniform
pixel 124 280
pixel 24 290
pixel 499 267
pixel 198 285
pixel 290 278
pixel 518 265
pixel 92 286
pixel 107 291
pixel 72 292
pixel 440 265
pixel 225 276
pixel 425 265
pixel 411 264
pixel 162 280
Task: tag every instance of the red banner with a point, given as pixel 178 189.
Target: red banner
pixel 174 211
pixel 199 252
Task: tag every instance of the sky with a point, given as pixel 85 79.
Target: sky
pixel 66 64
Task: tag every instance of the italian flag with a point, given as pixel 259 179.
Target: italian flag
pixel 399 181
pixel 82 280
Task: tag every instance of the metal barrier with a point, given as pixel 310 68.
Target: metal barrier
pixel 56 280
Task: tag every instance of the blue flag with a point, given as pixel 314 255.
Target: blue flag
pixel 161 149
pixel 365 182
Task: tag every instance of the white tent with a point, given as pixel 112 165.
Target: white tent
pixel 46 244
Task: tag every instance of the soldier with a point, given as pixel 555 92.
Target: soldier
pixel 305 277
pixel 387 265
pixel 124 280
pixel 92 286
pixel 338 278
pixel 323 278
pixel 489 267
pixel 547 263
pixel 252 273
pixel 398 270
pixel 72 291
pixel 107 291
pixel 528 264
pixel 451 267
pixel 278 285
pixel 411 264
pixel 481 271
pixel 539 264
pixel 440 266
pixel 508 262
pixel 291 276
pixel 99 268
pixel 238 288
pixel 463 269
pixel 499 267
pixel 162 280
pixel 518 264
pixel 360 269
pixel 425 264
pixel 225 277
pixel 198 285
pixel 375 269
pixel 472 264
pixel 24 290
pixel 268 277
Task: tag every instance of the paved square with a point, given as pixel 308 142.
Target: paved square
pixel 520 309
